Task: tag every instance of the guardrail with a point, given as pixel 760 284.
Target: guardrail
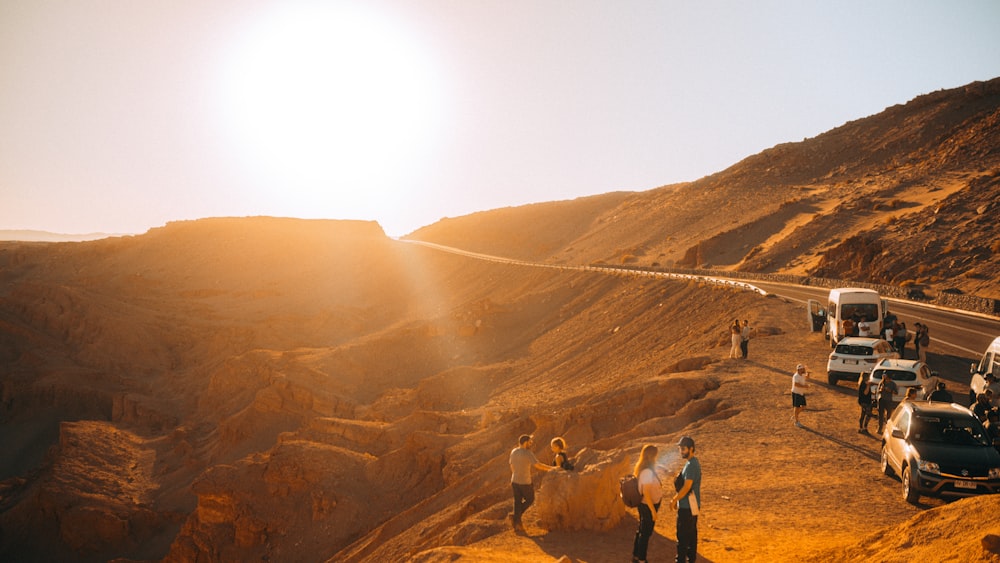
pixel 955 301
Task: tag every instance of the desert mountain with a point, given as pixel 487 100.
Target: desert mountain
pixel 909 196
pixel 265 389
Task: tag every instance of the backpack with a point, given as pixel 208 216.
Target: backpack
pixel 630 491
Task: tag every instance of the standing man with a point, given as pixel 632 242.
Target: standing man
pixel 800 380
pixel 745 337
pixel 687 502
pixel 885 396
pixel 522 459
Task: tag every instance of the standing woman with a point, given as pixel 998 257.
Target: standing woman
pixel 735 337
pixel 649 487
pixel 865 402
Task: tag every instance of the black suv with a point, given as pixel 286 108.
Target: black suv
pixel 939 449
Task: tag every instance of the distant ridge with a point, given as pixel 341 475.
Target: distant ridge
pixel 27 235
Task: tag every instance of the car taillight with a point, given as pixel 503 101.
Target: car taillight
pixel 834 358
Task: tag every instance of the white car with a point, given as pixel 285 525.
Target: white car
pixel 906 374
pixel 855 355
pixel 989 364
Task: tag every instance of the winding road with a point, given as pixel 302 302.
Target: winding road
pixel 958 338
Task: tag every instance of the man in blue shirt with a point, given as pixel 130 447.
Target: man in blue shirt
pixel 687 502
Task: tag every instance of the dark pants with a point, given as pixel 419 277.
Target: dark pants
pixel 884 412
pixel 744 344
pixel 687 536
pixel 645 530
pixel 901 347
pixel 524 496
pixel 866 416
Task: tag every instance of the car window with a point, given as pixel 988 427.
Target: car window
pixel 903 421
pixel 963 431
pixel 996 365
pixel 897 374
pixel 853 350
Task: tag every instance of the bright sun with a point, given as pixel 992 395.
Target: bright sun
pixel 333 105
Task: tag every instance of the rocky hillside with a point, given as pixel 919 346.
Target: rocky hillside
pixel 905 197
pixel 289 390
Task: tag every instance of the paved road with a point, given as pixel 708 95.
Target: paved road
pixel 952 332
pixel 958 338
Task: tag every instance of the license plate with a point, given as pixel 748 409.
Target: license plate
pixel 965 485
pixel 855 362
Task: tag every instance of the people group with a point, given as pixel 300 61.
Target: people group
pixel 739 338
pixel 686 500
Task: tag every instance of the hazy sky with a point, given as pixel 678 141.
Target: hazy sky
pixel 121 115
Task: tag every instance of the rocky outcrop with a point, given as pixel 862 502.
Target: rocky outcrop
pixel 586 498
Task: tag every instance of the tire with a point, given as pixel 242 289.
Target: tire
pixel 884 462
pixel 832 379
pixel 972 398
pixel 910 492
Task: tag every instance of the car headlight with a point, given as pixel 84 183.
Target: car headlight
pixel 928 466
pixel 995 473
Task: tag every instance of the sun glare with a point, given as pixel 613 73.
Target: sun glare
pixel 335 106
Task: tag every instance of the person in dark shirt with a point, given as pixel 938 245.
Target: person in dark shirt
pixel 941 394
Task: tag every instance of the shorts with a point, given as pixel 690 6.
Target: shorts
pixel 798 400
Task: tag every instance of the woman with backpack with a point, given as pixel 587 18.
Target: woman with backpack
pixel 649 487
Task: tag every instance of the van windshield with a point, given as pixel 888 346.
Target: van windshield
pixel 963 431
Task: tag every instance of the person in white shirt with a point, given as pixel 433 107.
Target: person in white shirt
pixel 800 380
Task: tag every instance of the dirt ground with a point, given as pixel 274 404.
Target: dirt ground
pixel 772 492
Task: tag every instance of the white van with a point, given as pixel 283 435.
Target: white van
pixel 990 363
pixel 849 308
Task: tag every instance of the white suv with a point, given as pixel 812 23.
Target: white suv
pixel 906 374
pixel 855 355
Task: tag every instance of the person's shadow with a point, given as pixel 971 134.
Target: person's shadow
pixel 612 546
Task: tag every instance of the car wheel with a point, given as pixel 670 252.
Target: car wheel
pixel 832 379
pixel 972 398
pixel 909 490
pixel 884 462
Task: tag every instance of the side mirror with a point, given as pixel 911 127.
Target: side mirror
pixel 897 433
pixel 972 368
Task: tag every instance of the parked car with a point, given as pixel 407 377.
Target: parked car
pixel 855 355
pixel 939 449
pixel 906 374
pixel 990 363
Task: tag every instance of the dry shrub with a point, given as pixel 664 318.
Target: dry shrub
pixel 907 283
pixel 995 247
pixel 628 258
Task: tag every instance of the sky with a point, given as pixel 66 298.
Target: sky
pixel 118 116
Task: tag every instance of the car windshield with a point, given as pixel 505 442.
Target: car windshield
pixel 947 430
pixel 897 374
pixel 854 350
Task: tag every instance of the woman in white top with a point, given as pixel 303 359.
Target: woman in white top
pixel 735 339
pixel 649 487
